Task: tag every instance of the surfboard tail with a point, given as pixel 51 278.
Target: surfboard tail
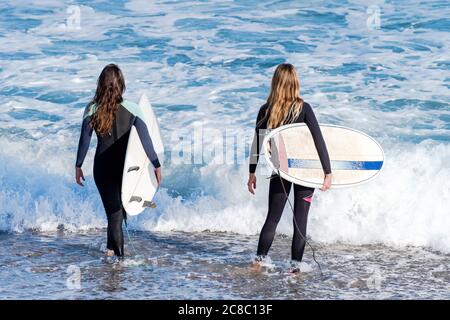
pixel 279 155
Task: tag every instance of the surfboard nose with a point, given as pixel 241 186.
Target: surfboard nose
pixel 278 153
pixel 143 100
pixel 355 157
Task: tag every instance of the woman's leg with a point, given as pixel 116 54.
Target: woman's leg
pixel 109 187
pixel 115 232
pixel 277 200
pixel 108 169
pixel 302 202
pixel 109 242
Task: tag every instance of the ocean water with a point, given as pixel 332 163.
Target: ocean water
pixel 377 66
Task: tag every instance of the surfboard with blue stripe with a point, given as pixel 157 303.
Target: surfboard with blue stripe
pixel 355 157
pixel 335 164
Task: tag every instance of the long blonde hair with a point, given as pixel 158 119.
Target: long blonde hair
pixel 284 102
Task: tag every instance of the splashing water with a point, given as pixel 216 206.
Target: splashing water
pixel 209 65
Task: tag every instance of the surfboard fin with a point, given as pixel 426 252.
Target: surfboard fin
pixel 149 204
pixel 134 168
pixel 135 198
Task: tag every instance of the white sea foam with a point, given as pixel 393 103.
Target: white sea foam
pixel 406 205
pixel 398 94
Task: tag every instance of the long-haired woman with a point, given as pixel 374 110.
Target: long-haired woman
pixel 112 118
pixel 285 106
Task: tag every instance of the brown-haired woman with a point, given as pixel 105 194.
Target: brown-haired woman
pixel 285 106
pixel 112 118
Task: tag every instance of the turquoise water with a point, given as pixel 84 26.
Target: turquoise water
pixel 206 67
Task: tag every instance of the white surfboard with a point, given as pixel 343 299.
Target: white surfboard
pixel 355 157
pixel 139 181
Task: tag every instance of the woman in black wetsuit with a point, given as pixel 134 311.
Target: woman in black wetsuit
pixel 112 118
pixel 284 106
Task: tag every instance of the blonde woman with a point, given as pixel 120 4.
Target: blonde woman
pixel 285 106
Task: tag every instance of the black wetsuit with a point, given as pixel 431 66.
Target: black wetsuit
pixel 108 167
pixel 277 197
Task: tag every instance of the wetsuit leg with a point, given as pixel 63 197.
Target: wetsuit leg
pixel 115 232
pixel 108 168
pixel 109 243
pixel 277 200
pixel 114 213
pixel 302 202
pixel 110 192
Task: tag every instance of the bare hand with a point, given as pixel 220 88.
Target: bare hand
pixel 326 182
pixel 251 184
pixel 79 176
pixel 158 175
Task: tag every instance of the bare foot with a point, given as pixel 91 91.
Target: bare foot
pixel 256 266
pixel 295 268
pixel 109 253
pixel 294 271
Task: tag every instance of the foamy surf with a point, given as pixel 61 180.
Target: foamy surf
pixel 202 69
pixel 404 206
pixel 174 265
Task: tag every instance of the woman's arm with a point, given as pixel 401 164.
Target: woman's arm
pixel 254 152
pixel 83 147
pixel 85 140
pixel 147 143
pixel 256 144
pixel 319 142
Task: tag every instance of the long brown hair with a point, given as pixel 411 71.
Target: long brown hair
pixel 108 97
pixel 284 102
